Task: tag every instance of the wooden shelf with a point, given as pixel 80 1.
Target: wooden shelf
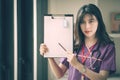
pixel 114 35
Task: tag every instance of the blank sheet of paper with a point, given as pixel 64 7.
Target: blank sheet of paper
pixel 58 29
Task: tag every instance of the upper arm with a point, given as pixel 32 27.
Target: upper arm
pixel 109 61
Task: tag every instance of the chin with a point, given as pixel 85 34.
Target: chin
pixel 89 35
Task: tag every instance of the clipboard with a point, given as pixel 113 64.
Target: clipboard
pixel 58 28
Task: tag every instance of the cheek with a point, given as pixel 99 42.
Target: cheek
pixel 82 28
pixel 96 26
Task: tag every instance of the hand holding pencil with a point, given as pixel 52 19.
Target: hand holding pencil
pixel 71 58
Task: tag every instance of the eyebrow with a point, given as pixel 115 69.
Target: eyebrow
pixel 92 18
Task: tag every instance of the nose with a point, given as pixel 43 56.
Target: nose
pixel 87 25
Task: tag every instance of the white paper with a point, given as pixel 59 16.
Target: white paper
pixel 55 31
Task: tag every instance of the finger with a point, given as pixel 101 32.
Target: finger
pixel 44 47
pixel 42 44
pixel 75 55
pixel 68 56
pixel 43 50
pixel 69 52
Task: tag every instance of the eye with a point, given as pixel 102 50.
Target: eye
pixel 91 21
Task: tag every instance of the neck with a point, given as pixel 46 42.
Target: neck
pixel 90 42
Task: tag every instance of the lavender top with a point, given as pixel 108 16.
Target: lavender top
pixel 106 61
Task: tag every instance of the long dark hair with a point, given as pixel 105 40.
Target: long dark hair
pixel 101 32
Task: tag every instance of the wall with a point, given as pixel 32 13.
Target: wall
pixel 66 6
pixel 108 6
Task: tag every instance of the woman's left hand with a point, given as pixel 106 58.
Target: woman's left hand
pixel 71 58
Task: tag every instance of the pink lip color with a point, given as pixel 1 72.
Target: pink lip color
pixel 87 32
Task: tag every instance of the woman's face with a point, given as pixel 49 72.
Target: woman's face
pixel 89 26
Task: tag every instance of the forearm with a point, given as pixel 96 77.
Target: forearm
pixel 95 76
pixel 55 68
pixel 91 74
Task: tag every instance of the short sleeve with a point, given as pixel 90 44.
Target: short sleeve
pixel 64 62
pixel 109 61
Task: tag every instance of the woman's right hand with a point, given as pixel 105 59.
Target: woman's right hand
pixel 43 49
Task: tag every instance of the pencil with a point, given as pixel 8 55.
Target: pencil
pixel 62 47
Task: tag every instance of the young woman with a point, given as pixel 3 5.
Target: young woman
pixel 94 57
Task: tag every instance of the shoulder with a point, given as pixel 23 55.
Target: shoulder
pixel 108 45
pixel 107 48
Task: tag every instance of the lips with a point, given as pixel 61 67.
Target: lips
pixel 87 32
